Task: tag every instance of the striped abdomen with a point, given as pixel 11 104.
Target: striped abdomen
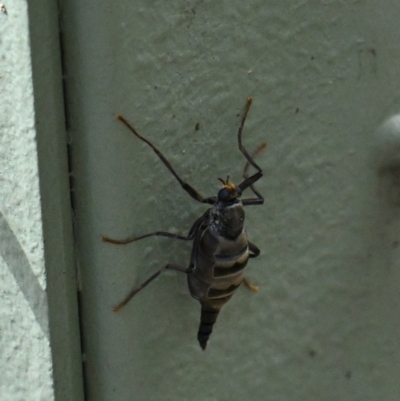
pixel 219 272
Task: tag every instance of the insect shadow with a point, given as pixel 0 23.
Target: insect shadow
pixel 221 248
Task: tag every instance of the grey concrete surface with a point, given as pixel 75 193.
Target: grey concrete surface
pixel 40 357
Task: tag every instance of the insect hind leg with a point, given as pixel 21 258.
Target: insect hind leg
pixel 254 253
pixel 252 287
pixel 147 282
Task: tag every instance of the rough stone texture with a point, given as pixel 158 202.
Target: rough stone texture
pixel 40 355
pixel 324 76
pixel 24 340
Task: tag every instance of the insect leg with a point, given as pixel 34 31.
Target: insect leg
pixel 133 239
pixel 190 236
pixel 245 176
pixel 146 282
pixel 249 181
pixel 189 189
pixel 250 286
pixel 254 253
pixel 254 249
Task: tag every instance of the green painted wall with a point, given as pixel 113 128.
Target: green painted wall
pixel 324 76
pixel 325 81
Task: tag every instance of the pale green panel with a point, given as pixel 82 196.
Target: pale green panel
pixel 324 76
pixel 55 196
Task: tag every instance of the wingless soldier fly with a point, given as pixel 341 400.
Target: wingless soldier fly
pixel 221 248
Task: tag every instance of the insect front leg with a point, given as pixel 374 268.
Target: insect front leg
pixel 188 188
pixel 147 282
pixel 259 199
pixel 249 181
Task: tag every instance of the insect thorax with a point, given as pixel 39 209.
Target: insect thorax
pixel 228 218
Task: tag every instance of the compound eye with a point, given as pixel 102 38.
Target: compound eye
pixel 224 195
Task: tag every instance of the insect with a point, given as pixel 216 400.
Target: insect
pixel 220 249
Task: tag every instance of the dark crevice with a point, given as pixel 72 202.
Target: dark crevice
pixel 62 44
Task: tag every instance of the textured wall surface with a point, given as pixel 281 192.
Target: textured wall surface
pixel 39 336
pixel 324 75
pixel 24 340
